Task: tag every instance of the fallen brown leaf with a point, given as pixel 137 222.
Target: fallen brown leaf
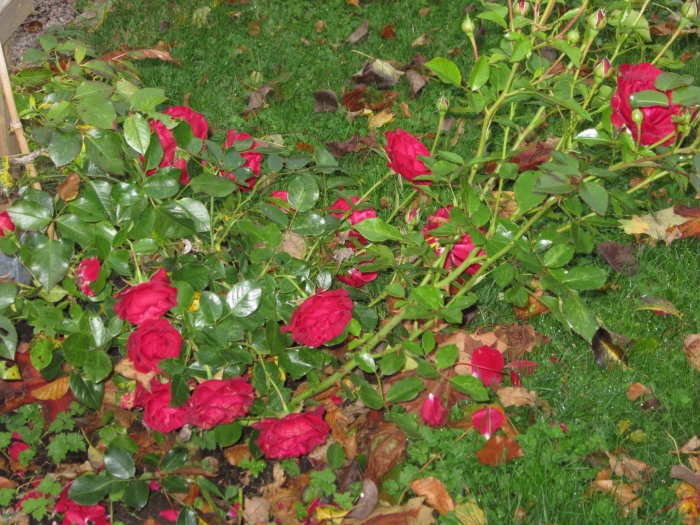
pixel 127 53
pixel 636 390
pixel 256 101
pixel 69 188
pixel 369 496
pixel 469 513
pixel 413 512
pixel 624 494
pixel 535 154
pixel 421 40
pixel 387 446
pixel 325 100
pixel 633 469
pixel 319 26
pixel 619 256
pixel 56 389
pixel 416 82
pixel 293 244
pixel 517 396
pixel 359 33
pixel 692 350
pixel 354 144
pixel 434 492
pixel 235 454
pixel 498 450
pixel 256 511
pixel 691 445
pixel 380 119
pixel 388 31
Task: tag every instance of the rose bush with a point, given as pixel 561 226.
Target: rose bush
pixel 403 150
pixel 151 342
pixel 320 318
pixel 291 436
pixel 252 160
pixel 146 301
pixel 657 124
pixel 218 402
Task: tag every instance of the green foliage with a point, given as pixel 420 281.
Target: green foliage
pixel 63 443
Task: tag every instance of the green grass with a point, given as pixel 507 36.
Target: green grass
pixel 221 62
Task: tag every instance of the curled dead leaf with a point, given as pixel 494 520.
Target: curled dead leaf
pixel 380 119
pixel 68 189
pixel 498 450
pixel 359 33
pixel 692 350
pixel 256 511
pixel 434 492
pixel 517 396
pixel 325 100
pixel 623 493
pixel 619 256
pixel 56 389
pixel 633 469
pixel 636 390
pixel 293 244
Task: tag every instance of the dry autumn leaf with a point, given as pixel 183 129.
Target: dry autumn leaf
pixel 434 492
pixel 388 31
pixel 636 390
pixel 624 494
pixel 380 119
pixel 633 469
pixel 517 396
pixel 69 188
pixel 412 512
pixel 619 256
pixel 469 513
pixel 498 450
pixel 54 390
pixel 692 350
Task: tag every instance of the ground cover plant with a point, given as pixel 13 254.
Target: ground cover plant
pixel 438 275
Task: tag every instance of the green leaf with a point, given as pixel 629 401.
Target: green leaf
pixel 65 145
pixel 146 99
pixel 244 298
pixel 29 215
pixel 8 338
pixel 585 277
pixel 173 221
pixel 136 494
pixel 49 261
pixel 211 306
pixel 648 97
pixel 504 274
pixel 579 317
pixel 213 185
pixel 41 353
pixel 480 73
pixel 392 363
pixel 667 81
pixel 365 362
pixel 446 356
pixel 104 149
pixel 303 193
pixel 90 89
pixel 198 212
pixel 187 516
pixel 470 385
pixel 86 392
pixel 446 70
pixel 686 96
pixel 428 296
pixel 595 195
pixel 370 397
pixel 137 133
pixel 377 230
pixel 525 195
pixel 593 137
pixel 90 489
pixel 227 435
pixel 96 366
pixel 558 255
pixel 96 111
pixel 335 456
pixel 174 459
pixel 163 184
pixel 119 463
pixel 405 390
pixel 311 223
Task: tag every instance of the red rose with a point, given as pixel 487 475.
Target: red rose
pixel 460 251
pixel 87 271
pixel 200 126
pixel 6 224
pixel 403 150
pixel 14 450
pixel 356 277
pixel 291 436
pixel 157 412
pixel 341 206
pixel 146 301
pixel 75 514
pixel 218 402
pixel 284 197
pixel 658 120
pixel 151 342
pixel 252 160
pixel 320 318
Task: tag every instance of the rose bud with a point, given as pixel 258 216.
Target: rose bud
pixel 602 69
pixel 521 8
pixel 468 25
pixel 597 20
pixel 637 116
pixel 573 37
pixel 442 104
pixel 6 224
pixel 690 9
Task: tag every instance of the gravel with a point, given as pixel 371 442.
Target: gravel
pixel 46 14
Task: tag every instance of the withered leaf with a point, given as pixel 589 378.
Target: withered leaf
pixel 386 450
pixel 662 29
pixel 421 40
pixel 434 492
pixel 413 511
pixel 637 390
pixel 359 33
pixel 535 154
pixel 126 53
pixel 56 389
pixel 388 31
pixel 607 354
pixel 685 474
pixel 691 347
pixel 367 502
pixel 68 189
pixel 319 26
pixel 256 511
pixel 325 100
pixel 628 467
pixel 354 144
pixel 659 305
pixel 532 308
pixel 517 396
pixel 691 445
pixel 293 244
pixel 256 100
pixel 624 494
pixel 253 29
pixel 380 119
pixel 416 82
pixel 499 449
pixel 379 73
pixel 469 513
pixel 361 98
pixel 619 256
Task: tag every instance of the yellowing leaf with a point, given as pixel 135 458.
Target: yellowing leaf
pixel 56 389
pixel 434 492
pixel 380 119
pixel 661 306
pixel 469 513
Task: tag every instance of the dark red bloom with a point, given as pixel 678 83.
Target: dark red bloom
pixel 403 150
pixel 658 120
pixel 157 412
pixel 200 126
pixel 320 318
pixel 218 402
pixel 75 514
pixel 146 301
pixel 6 224
pixel 341 206
pixel 291 436
pixel 356 278
pixel 153 341
pixel 87 271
